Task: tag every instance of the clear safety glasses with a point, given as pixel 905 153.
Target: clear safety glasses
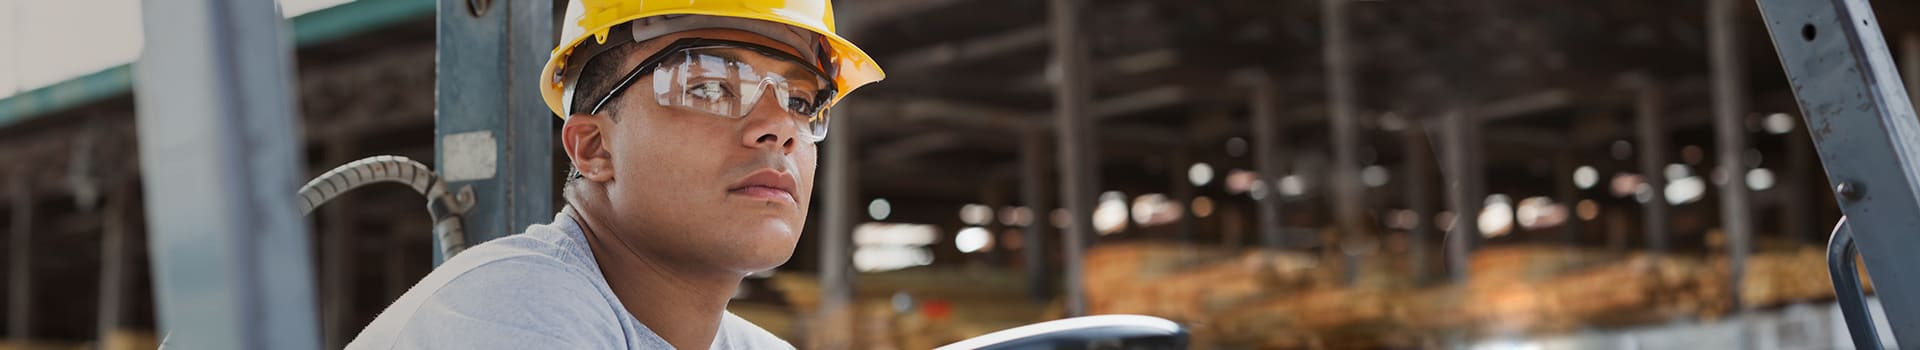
pixel 728 78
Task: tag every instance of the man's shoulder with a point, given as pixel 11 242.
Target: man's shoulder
pixel 527 283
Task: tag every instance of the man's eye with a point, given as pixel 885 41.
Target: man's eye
pixel 708 90
pixel 800 105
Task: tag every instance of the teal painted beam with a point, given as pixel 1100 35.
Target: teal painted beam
pixel 312 28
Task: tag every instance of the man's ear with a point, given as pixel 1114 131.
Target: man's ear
pixel 586 138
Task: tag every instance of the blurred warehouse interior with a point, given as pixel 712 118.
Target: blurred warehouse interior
pixel 1271 174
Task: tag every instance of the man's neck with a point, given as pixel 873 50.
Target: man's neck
pixel 683 306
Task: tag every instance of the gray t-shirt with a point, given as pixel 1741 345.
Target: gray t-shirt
pixel 536 290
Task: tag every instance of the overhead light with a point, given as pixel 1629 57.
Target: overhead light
pixel 1585 177
pixel 1779 123
pixel 879 209
pixel 973 239
pixel 1202 206
pixel 976 214
pixel 1200 174
pixel 1374 176
pixel 1686 190
pixel 1496 219
pixel 1675 171
pixel 1759 179
pixel 1016 216
pixel 1588 209
pixel 1110 216
pixel 1292 186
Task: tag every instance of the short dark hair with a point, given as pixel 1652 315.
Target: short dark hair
pixel 599 75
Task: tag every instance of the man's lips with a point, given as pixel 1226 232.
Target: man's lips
pixel 766 184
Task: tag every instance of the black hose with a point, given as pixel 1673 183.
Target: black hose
pixel 446 209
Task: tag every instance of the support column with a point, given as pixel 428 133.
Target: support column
pixel 1419 154
pixel 1730 132
pixel 113 263
pixel 20 264
pixel 993 195
pixel 337 259
pixel 492 129
pixel 1267 161
pixel 1651 131
pixel 1348 202
pixel 1178 163
pixel 841 194
pixel 1038 196
pixel 1567 194
pixel 1463 183
pixel 1795 205
pixel 1079 161
pixel 215 115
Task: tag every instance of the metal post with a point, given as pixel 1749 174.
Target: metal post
pixel 494 132
pixel 20 266
pixel 1079 161
pixel 336 272
pixel 1348 204
pixel 1652 134
pixel 1178 162
pixel 1567 194
pixel 1730 132
pixel 113 264
pixel 1419 197
pixel 1797 206
pixel 1463 189
pixel 1863 126
pixel 841 192
pixel 1267 161
pixel 1038 197
pixel 218 137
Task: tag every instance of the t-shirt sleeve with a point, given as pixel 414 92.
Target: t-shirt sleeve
pixel 516 303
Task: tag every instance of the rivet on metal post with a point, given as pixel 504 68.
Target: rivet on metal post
pixel 1848 190
pixel 478 8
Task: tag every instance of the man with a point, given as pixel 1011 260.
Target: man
pixel 691 127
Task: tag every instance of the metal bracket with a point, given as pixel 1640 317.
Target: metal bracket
pixel 1847 286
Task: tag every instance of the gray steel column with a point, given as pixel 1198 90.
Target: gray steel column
pixel 1038 196
pixel 20 264
pixel 113 263
pixel 493 130
pixel 841 193
pixel 220 157
pixel 1463 189
pixel 1567 193
pixel 336 250
pixel 1651 130
pixel 1794 178
pixel 1079 161
pixel 1419 154
pixel 1267 161
pixel 1178 162
pixel 1348 204
pixel 1864 129
pixel 1730 132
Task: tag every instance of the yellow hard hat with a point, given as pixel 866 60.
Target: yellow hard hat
pixel 850 68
